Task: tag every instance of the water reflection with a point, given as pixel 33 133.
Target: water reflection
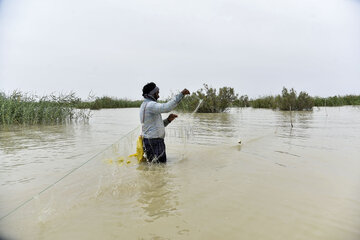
pixel 157 192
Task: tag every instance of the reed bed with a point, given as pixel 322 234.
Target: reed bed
pixel 23 108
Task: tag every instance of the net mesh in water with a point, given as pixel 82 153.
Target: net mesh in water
pixel 103 168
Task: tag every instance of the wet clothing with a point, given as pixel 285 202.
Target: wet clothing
pixel 154 149
pixel 153 126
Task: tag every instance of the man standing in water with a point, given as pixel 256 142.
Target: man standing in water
pixel 153 126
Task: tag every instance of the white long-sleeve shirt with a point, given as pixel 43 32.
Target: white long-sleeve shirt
pixel 153 126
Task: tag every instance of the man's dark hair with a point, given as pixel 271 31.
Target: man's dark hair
pixel 148 88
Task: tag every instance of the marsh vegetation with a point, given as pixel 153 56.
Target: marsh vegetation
pixel 288 100
pixel 23 108
pixel 336 101
pixel 219 100
pixel 109 102
pixel 213 100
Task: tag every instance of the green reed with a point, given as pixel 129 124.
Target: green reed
pixel 22 108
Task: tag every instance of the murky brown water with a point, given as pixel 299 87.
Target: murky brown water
pixel 280 183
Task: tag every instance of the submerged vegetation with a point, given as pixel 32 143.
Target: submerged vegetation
pixel 20 108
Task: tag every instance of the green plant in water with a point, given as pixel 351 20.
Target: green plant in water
pixel 20 108
pixel 337 101
pixel 265 102
pixel 288 100
pixel 213 101
pixel 242 101
pixel 108 102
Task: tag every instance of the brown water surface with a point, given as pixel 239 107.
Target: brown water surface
pixel 279 183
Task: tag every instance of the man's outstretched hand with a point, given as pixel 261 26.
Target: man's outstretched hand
pixel 171 117
pixel 185 92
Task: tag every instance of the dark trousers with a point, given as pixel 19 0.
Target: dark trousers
pixel 154 149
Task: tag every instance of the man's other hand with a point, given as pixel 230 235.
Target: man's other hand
pixel 171 117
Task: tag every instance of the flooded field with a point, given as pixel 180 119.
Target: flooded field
pixel 69 182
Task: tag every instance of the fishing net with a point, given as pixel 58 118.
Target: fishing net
pixel 110 172
pixel 106 173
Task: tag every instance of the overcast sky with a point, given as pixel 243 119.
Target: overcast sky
pixel 114 47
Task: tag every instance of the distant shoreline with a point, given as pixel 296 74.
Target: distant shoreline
pixel 22 108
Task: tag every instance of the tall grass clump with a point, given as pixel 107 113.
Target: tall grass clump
pixel 22 108
pixel 288 100
pixel 214 101
pixel 108 102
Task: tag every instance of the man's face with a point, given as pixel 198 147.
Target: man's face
pixel 156 95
